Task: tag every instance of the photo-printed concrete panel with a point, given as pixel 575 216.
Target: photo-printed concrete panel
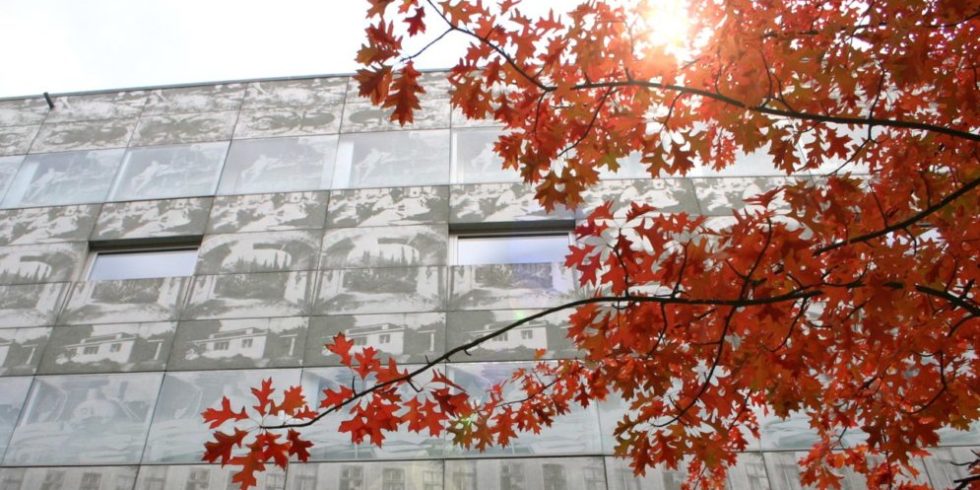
pixel 50 262
pixel 511 286
pixel 28 305
pixel 279 165
pixel 63 178
pixel 289 121
pixel 381 290
pixel 85 419
pixel 117 347
pixel 393 246
pixel 394 206
pixel 406 337
pixel 574 433
pixel 13 393
pixel 87 135
pixel 719 196
pixel 268 212
pixel 258 252
pixel 483 203
pixel 206 98
pixel 522 343
pixel 21 349
pixel 945 465
pixel 238 344
pixel 124 301
pixel 166 129
pixel 152 219
pixel 390 159
pixel 169 171
pixel 47 225
pixel 361 115
pixel 526 473
pixel 204 477
pixel 332 444
pixel 620 476
pixel 269 294
pixel 16 140
pixel 69 478
pixel 20 112
pixel 784 473
pixel 667 195
pixel 311 92
pixel 91 107
pixel 178 434
pixel 387 475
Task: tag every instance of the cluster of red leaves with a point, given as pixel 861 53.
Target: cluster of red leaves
pixel 851 300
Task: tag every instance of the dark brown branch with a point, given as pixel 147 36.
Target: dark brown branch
pixel 959 301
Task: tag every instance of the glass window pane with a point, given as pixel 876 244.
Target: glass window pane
pixel 511 249
pixel 169 171
pixel 279 165
pixel 141 265
pixel 8 167
pixel 63 178
pixel 475 161
pixel 392 158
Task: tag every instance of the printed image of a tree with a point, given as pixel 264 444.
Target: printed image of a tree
pixel 849 297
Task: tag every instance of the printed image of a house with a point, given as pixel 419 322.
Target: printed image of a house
pixel 385 336
pixel 246 342
pixel 117 347
pixel 531 335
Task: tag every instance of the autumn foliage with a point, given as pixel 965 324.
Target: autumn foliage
pixel 849 297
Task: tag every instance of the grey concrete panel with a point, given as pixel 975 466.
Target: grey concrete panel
pixel 177 434
pixel 63 178
pixel 381 290
pixel 794 433
pixel 510 286
pixel 21 349
pixel 169 171
pixel 394 206
pixel 207 98
pixel 571 434
pixel 315 92
pixel 784 472
pixel 51 262
pixel 28 305
pixel 168 129
pixel 279 165
pixel 16 140
pixel 268 294
pixel 360 115
pixel 484 203
pixel 393 246
pixel 21 112
pixel 550 473
pixel 264 123
pixel 945 465
pixel 85 135
pixel 719 196
pixel 152 219
pixel 667 195
pixel 519 344
pixel 84 419
pixel 119 347
pixel 47 225
pixel 124 301
pixel 621 477
pixel 13 393
pixel 205 476
pixel 238 344
pixel 258 252
pixel 268 212
pixel 89 107
pixel 389 159
pixel 70 478
pixel 406 337
pixel 403 475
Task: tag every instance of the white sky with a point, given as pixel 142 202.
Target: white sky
pixel 74 45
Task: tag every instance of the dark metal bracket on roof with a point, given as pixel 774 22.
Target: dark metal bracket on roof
pixel 47 98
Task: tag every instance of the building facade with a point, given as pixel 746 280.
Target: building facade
pixel 162 248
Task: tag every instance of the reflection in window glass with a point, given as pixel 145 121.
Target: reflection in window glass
pixel 169 171
pixel 63 178
pixel 511 249
pixel 393 158
pixel 143 264
pixel 474 160
pixel 279 165
pixel 8 167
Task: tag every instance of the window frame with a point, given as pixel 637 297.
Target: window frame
pixel 548 228
pixel 176 244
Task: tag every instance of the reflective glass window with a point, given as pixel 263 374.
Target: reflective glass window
pixel 392 159
pixel 475 162
pixel 511 249
pixel 169 171
pixel 279 165
pixel 63 178
pixel 143 264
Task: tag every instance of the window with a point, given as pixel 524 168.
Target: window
pixel 89 350
pixel 115 347
pixel 527 335
pixel 384 338
pixel 142 263
pixel 222 345
pixel 72 352
pixel 246 343
pixel 359 341
pixel 393 479
pixel 554 477
pixel 351 477
pixel 198 479
pixel 90 481
pixel 473 249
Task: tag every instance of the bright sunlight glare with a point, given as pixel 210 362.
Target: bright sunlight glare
pixel 669 24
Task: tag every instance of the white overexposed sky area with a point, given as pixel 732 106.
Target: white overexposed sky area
pixel 62 46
